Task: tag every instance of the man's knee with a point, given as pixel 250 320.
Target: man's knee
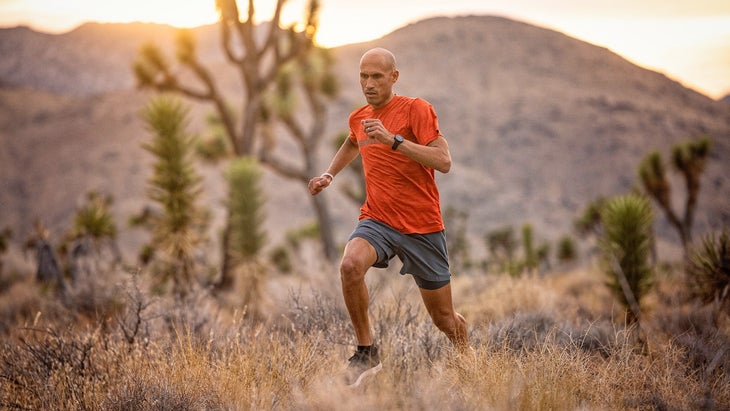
pixel 351 270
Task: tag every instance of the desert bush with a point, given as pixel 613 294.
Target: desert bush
pixel 530 331
pixel 709 269
pixel 626 244
pixel 25 303
pixel 53 369
pixel 538 342
pixel 566 251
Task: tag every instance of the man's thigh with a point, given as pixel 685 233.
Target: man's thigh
pixel 438 302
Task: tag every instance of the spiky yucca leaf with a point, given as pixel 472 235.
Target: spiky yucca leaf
pixel 626 245
pixel 94 218
pixel 709 268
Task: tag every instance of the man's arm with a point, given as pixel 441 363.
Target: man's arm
pixel 435 155
pixel 347 152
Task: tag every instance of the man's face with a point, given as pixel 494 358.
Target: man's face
pixel 377 79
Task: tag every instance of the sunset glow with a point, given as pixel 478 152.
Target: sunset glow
pixel 687 40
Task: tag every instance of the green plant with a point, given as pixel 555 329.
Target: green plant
pixel 501 244
pixel 531 257
pixel 175 187
pixel 590 221
pixel 307 231
pixel 215 146
pixel 281 259
pixel 689 159
pixel 566 249
pixel 626 245
pixel 246 207
pixel 260 57
pixel 94 218
pixel 709 268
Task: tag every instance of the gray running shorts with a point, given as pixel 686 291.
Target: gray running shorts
pixel 423 255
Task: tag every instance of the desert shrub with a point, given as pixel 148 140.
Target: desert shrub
pixel 502 246
pixel 52 369
pixel 280 257
pixel 25 303
pixel 626 244
pixel 316 314
pixel 566 251
pixel 530 331
pixel 709 269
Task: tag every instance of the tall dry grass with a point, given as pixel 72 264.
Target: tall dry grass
pixel 552 342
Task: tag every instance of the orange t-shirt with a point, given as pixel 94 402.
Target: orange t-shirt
pixel 400 192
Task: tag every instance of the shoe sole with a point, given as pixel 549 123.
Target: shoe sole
pixel 366 374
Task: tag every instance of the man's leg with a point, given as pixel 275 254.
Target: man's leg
pixel 441 309
pixel 359 256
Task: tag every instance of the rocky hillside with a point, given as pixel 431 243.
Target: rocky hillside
pixel 539 124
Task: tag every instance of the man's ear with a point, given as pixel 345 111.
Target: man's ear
pixel 395 75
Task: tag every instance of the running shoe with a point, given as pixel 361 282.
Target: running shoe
pixel 363 364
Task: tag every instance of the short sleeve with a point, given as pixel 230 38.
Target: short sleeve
pixel 424 122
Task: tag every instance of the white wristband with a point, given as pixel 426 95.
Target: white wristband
pixel 328 175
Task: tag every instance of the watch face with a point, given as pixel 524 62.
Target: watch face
pixel 397 140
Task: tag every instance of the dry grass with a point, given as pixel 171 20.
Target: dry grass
pixel 540 342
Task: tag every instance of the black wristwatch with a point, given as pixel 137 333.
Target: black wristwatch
pixel 397 141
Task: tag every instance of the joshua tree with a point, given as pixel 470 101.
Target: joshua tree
pixel 174 186
pixel 313 73
pixel 259 62
pixel 689 159
pixel 626 244
pixel 246 208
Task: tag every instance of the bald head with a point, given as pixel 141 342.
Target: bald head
pixel 377 76
pixel 379 55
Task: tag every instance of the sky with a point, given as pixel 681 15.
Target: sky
pixel 688 40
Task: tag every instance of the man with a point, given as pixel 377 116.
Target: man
pixel 401 146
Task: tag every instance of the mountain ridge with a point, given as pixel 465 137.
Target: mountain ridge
pixel 539 124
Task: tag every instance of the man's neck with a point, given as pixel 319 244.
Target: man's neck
pixel 385 103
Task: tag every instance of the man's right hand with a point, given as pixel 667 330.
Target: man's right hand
pixel 318 184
